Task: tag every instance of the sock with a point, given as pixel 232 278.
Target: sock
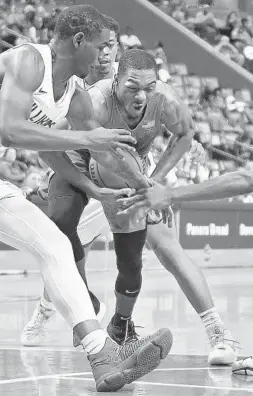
pixel 212 322
pixel 124 305
pixel 46 304
pixel 94 342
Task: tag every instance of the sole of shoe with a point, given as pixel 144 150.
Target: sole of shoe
pixel 142 362
pixel 243 371
pixel 218 361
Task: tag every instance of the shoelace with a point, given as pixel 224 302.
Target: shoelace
pixel 130 331
pixel 216 338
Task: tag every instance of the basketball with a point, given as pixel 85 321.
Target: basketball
pixel 104 177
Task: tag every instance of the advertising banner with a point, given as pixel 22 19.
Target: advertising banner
pixel 222 225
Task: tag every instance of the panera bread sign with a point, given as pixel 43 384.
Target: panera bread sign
pixel 205 230
pixel 221 226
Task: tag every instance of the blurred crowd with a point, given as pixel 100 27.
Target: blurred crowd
pixel 232 35
pixel 223 117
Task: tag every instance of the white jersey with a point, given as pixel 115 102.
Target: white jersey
pixel 45 110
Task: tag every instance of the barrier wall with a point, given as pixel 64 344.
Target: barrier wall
pixel 222 225
pixel 181 45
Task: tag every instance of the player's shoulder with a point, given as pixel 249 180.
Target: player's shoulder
pixel 26 62
pixel 102 86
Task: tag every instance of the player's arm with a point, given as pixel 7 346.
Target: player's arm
pixel 177 119
pixel 225 186
pixel 24 72
pixel 81 116
pixel 160 196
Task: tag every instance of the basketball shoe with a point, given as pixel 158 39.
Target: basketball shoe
pixel 122 330
pixel 34 332
pixel 224 348
pixel 243 366
pixel 116 365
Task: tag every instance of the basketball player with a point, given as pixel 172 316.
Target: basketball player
pixel 162 240
pixel 165 244
pixel 38 89
pixel 225 186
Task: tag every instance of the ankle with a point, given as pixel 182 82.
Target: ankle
pixel 85 328
pixel 119 319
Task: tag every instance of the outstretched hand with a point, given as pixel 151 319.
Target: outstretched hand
pixel 157 197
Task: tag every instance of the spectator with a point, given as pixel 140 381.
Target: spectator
pixel 129 40
pixel 228 50
pixel 161 60
pixel 240 36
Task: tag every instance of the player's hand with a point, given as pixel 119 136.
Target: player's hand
pixel 14 174
pixel 114 140
pixel 109 195
pixel 157 197
pixel 164 215
pixel 197 153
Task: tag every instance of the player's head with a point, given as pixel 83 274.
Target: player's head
pixel 85 33
pixel 135 83
pixel 106 58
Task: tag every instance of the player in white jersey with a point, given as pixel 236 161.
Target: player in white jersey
pixel 38 90
pixel 166 246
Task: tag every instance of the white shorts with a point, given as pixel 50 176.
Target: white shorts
pixel 93 223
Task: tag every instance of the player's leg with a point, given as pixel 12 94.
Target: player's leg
pixel 128 249
pixel 24 226
pixel 165 244
pixel 65 207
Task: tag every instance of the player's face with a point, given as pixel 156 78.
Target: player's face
pixel 106 58
pixel 89 51
pixel 135 89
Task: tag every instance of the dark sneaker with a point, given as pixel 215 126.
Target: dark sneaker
pixel 116 365
pixel 122 330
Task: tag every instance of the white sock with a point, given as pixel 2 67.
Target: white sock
pixel 212 322
pixel 94 342
pixel 46 304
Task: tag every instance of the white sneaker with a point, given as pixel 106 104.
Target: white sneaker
pixel 100 316
pixel 33 333
pixel 224 349
pixel 243 366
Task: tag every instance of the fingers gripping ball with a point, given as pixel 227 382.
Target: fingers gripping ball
pixel 104 177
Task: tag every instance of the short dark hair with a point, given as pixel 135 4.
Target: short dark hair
pixel 136 59
pixel 113 25
pixel 82 18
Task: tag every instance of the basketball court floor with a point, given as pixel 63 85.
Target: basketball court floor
pixel 56 369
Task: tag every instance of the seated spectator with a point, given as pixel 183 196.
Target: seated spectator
pixel 247 25
pixel 161 60
pixel 129 40
pixel 228 50
pixel 205 24
pixel 230 23
pixel 178 14
pixel 240 36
